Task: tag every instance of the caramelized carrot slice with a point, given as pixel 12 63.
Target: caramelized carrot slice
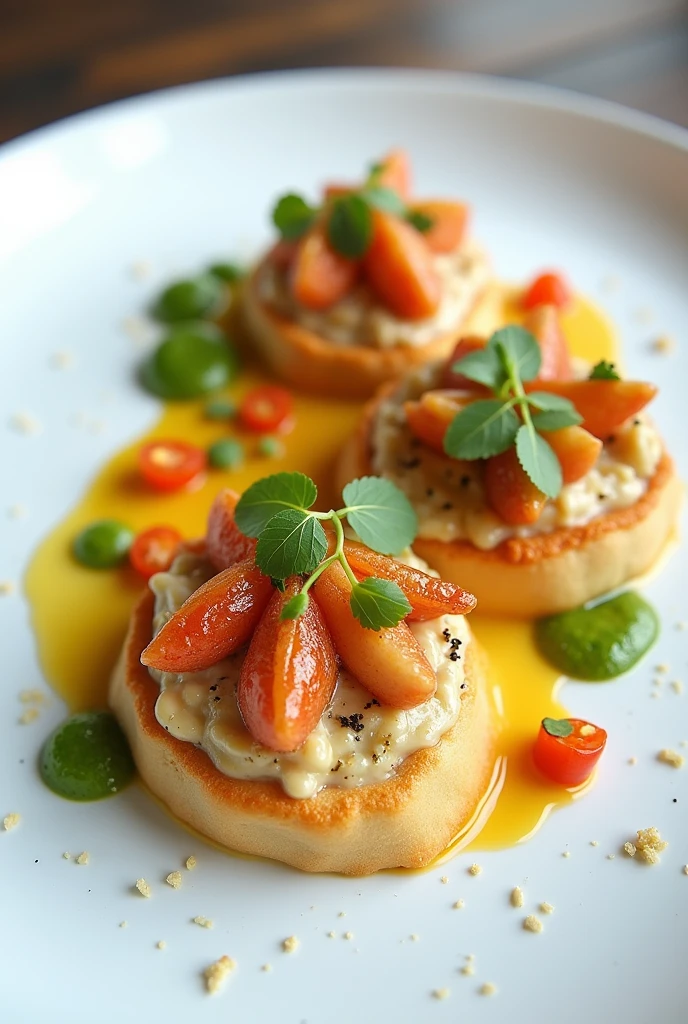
pixel 398 265
pixel 214 622
pixel 320 276
pixel 396 173
pixel 225 543
pixel 603 404
pixel 449 222
pixel 390 663
pixel 282 254
pixel 289 674
pixel 428 596
pixel 543 322
pixel 430 416
pixel 576 449
pixel 464 347
pixel 509 491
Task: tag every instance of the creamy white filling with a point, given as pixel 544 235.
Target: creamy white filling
pixel 201 707
pixel 360 319
pixel 448 494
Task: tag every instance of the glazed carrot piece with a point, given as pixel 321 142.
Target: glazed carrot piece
pixel 396 173
pixel 576 449
pixel 213 623
pixel 543 322
pixel 548 289
pixel 390 662
pixel 430 416
pixel 399 268
pixel 603 404
pixel 567 750
pixel 289 674
pixel 449 222
pixel 282 254
pixel 428 596
pixel 225 543
pixel 320 276
pixel 509 491
pixel 453 379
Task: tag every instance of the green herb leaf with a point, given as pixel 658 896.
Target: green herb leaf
pixel 384 199
pixel 557 726
pixel 278 583
pixel 539 461
pixel 484 367
pixel 546 402
pixel 420 221
pixel 350 226
pixel 482 429
pixel 292 542
pixel 272 494
pixel 604 371
pixel 374 171
pixel 518 350
pixel 295 606
pixel 378 603
pixel 292 216
pixel 556 412
pixel 381 514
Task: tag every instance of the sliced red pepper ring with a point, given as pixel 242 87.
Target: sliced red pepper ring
pixel 168 465
pixel 567 750
pixel 153 550
pixel 267 409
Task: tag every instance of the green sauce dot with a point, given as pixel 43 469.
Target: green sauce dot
pixel 228 272
pixel 602 642
pixel 87 758
pixel 195 299
pixel 194 359
pixel 226 454
pixel 220 409
pixel 270 447
pixel 103 545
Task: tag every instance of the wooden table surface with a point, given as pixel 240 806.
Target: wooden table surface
pixel 61 56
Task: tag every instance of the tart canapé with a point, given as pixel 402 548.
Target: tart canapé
pixel 573 498
pixel 364 286
pixel 316 740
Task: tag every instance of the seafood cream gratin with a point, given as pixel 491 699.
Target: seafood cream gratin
pixel 356 742
pixel 450 498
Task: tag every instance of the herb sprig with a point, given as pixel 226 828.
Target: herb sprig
pixel 514 417
pixel 348 218
pixel 604 371
pixel 292 540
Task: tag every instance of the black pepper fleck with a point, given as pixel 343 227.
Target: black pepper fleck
pixel 411 463
pixel 465 481
pixel 454 655
pixel 447 506
pixel 353 722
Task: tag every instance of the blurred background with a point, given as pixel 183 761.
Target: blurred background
pixel 61 56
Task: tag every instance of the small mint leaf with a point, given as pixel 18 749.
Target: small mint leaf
pixel 539 461
pixel 381 514
pixel 350 226
pixel 484 367
pixel 295 606
pixel 291 543
pixel 518 350
pixel 383 198
pixel 292 216
pixel 278 583
pixel 604 371
pixel 272 494
pixel 556 419
pixel 480 430
pixel 420 221
pixel 557 726
pixel 379 604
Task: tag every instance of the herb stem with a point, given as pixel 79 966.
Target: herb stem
pixel 339 550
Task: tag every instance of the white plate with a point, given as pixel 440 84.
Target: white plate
pixel 185 175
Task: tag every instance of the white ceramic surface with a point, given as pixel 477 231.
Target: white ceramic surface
pixel 186 175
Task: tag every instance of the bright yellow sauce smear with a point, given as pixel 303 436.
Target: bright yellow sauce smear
pixel 80 615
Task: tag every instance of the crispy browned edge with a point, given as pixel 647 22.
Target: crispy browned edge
pixel 549 572
pixel 405 821
pixel 313 364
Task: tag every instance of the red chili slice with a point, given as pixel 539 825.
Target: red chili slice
pixel 154 549
pixel 170 465
pixel 267 409
pixel 567 750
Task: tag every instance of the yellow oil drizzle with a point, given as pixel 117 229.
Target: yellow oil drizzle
pixel 80 615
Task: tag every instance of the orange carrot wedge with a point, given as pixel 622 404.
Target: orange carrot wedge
pixel 603 404
pixel 576 449
pixel 396 173
pixel 214 622
pixel 399 268
pixel 543 322
pixel 225 543
pixel 449 222
pixel 390 662
pixel 430 416
pixel 464 347
pixel 509 491
pixel 320 276
pixel 428 596
pixel 289 674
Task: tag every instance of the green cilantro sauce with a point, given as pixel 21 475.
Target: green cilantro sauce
pixel 87 757
pixel 601 642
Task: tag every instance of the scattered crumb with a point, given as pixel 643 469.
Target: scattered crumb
pixel 174 879
pixel 470 956
pixel 676 685
pixel 671 758
pixel 24 423
pixel 650 844
pixel 630 849
pixel 681 626
pixel 532 924
pixel 330 935
pixel 7 587
pixel 488 989
pixel 203 922
pixel 83 858
pixel 633 760
pixel 31 696
pixel 683 743
pixel 141 331
pixel 144 888
pixel 468 969
pixel 516 897
pixel 11 821
pixel 267 968
pixel 685 869
pixel 546 908
pixel 663 345
pixel 216 974
pixel 348 935
pixel 190 863
pixel 123 924
pixel 161 945
pixel 474 869
pixel 66 855
pixel 444 879
pixel 655 694
pixel 566 853
pixel 594 842
pixel 459 905
pixel 662 667
pixel 16 511
pixel 441 993
pixel 414 937
pixel 28 716
pixel 140 270
pixel 611 856
pixel 61 360
pixel 342 913
pixel 291 944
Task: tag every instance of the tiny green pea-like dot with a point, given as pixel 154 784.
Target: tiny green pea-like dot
pixel 220 409
pixel 226 453
pixel 270 447
pixel 104 544
pixel 195 299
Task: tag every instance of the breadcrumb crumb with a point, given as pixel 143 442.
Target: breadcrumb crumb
pixel 594 842
pixel 664 344
pixel 633 760
pixel 348 935
pixel 330 935
pixel 174 879
pixel 216 974
pixel 16 511
pixel 630 849
pixel 474 869
pixel 676 685
pixel 61 360
pixel 566 853
pixel 123 924
pixel 662 667
pixel 29 716
pixel 516 897
pixel 546 908
pixel 468 969
pixel 650 844
pixel 267 968
pixel 441 993
pixel 24 423
pixel 459 905
pixel 671 757
pixel 414 937
pixel 532 924
pixel 611 856
pixel 203 922
pixel 290 944
pixel 161 945
pixel 6 588
pixel 685 869
pixel 11 821
pixel 190 863
pixel 144 888
pixel 66 855
pixel 33 696
pixel 83 858
pixel 487 989
pixel 444 879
